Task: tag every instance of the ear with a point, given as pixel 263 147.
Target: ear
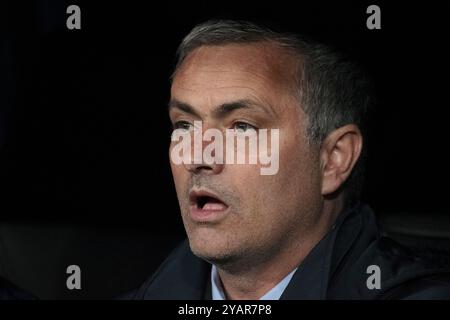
pixel 338 155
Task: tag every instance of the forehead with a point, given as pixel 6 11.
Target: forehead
pixel 260 69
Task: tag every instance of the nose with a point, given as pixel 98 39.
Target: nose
pixel 204 168
pixel 200 165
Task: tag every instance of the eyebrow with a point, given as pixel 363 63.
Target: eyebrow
pixel 185 107
pixel 222 110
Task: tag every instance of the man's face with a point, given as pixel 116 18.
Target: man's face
pixel 230 211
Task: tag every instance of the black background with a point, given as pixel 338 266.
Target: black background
pixel 84 167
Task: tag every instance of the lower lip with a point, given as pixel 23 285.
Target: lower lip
pixel 202 215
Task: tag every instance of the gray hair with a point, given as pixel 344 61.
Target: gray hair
pixel 332 90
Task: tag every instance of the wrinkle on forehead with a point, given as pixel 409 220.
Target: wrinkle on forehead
pixel 264 63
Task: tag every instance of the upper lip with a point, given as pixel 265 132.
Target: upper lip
pixel 194 195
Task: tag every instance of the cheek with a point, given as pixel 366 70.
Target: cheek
pixel 296 183
pixel 297 157
pixel 179 177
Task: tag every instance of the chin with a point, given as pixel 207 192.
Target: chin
pixel 212 249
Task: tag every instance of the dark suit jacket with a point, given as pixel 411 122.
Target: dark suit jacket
pixel 335 269
pixel 8 291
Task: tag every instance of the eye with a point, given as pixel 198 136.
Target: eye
pixel 242 126
pixel 183 125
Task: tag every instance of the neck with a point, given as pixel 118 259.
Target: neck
pixel 256 279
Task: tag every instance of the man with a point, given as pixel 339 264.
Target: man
pixel 300 233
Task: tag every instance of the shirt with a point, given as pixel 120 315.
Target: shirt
pixel 310 278
pixel 273 294
pixel 336 268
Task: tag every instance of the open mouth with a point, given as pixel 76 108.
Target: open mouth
pixel 209 203
pixel 204 203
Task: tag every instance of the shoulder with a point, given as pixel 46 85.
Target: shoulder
pixel 396 272
pixel 415 273
pixel 181 276
pixel 433 287
pixel 8 291
pixel 366 265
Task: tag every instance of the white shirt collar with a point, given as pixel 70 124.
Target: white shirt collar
pixel 273 294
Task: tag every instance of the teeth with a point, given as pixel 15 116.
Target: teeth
pixel 214 206
pixel 210 203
